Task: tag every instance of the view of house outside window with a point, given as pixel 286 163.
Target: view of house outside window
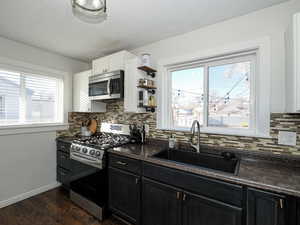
pixel 187 96
pixel 26 99
pixel 229 95
pixel 223 101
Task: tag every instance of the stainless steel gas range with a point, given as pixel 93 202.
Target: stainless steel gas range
pixel 89 185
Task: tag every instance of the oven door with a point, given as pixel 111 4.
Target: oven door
pixel 106 86
pixel 89 182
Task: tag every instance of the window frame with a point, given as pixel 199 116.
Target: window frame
pixel 2 105
pixel 31 69
pixel 251 57
pixel 260 87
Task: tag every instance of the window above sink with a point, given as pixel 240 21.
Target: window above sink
pixel 228 93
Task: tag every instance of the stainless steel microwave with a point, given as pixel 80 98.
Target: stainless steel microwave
pixel 107 86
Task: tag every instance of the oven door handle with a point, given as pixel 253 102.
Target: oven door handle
pixel 108 87
pixel 85 160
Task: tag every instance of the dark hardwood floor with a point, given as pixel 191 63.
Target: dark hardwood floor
pixel 50 208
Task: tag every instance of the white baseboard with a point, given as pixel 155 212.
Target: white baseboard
pixel 28 194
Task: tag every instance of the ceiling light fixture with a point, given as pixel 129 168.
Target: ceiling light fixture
pixel 90 11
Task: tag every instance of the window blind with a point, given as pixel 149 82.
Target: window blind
pixel 27 98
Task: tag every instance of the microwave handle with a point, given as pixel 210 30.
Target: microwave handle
pixel 108 87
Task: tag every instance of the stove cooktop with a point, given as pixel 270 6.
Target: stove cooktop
pixel 103 141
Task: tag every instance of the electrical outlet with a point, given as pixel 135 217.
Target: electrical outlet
pixel 287 138
pixel 147 128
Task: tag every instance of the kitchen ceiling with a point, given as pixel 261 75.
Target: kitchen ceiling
pixel 50 24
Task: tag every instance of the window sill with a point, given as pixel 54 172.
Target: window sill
pixel 32 128
pixel 230 132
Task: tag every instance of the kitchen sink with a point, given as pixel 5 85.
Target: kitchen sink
pixel 225 162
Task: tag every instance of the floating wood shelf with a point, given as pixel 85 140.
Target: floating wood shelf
pixel 149 108
pixel 151 72
pixel 146 87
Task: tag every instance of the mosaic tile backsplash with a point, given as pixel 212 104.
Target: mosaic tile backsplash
pixel 115 114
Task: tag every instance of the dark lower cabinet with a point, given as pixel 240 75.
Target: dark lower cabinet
pixel 64 170
pixel 298 212
pixel 63 176
pixel 124 195
pixel 161 204
pixel 199 210
pixel 165 205
pixel 265 208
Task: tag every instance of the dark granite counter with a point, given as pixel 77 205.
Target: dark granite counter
pixel 259 170
pixel 266 171
pixel 65 139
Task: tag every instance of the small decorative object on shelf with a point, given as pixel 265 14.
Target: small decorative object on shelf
pixel 147 101
pixel 146 83
pixel 146 60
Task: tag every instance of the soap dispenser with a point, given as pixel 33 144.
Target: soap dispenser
pixel 172 142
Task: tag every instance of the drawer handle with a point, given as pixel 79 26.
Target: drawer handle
pixel 184 197
pixel 281 203
pixel 121 163
pixel 63 157
pixel 62 173
pixel 178 195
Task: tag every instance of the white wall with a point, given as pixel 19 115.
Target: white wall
pixel 270 22
pixel 28 161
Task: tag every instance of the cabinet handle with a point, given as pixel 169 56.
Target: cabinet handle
pixel 136 180
pixel 281 203
pixel 63 157
pixel 62 173
pixel 178 195
pixel 121 163
pixel 184 197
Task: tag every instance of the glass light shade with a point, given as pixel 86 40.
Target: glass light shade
pixel 90 11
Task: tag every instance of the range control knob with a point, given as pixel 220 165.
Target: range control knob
pixel 77 148
pixel 92 152
pixel 98 153
pixel 84 150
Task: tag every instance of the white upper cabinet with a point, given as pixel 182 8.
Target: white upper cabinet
pixel 293 66
pixel 81 101
pixel 101 65
pixel 111 63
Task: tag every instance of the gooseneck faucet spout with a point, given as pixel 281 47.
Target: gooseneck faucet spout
pixel 197 145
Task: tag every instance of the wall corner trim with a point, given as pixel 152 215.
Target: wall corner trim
pixel 28 194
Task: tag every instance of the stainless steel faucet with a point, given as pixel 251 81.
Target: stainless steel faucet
pixel 197 145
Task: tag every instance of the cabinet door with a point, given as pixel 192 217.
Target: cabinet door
pixel 124 194
pixel 265 208
pixel 101 65
pixel 298 212
pixel 116 61
pixel 161 204
pixel 81 102
pixel 199 210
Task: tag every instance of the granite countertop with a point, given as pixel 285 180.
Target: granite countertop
pixel 268 172
pixel 67 139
